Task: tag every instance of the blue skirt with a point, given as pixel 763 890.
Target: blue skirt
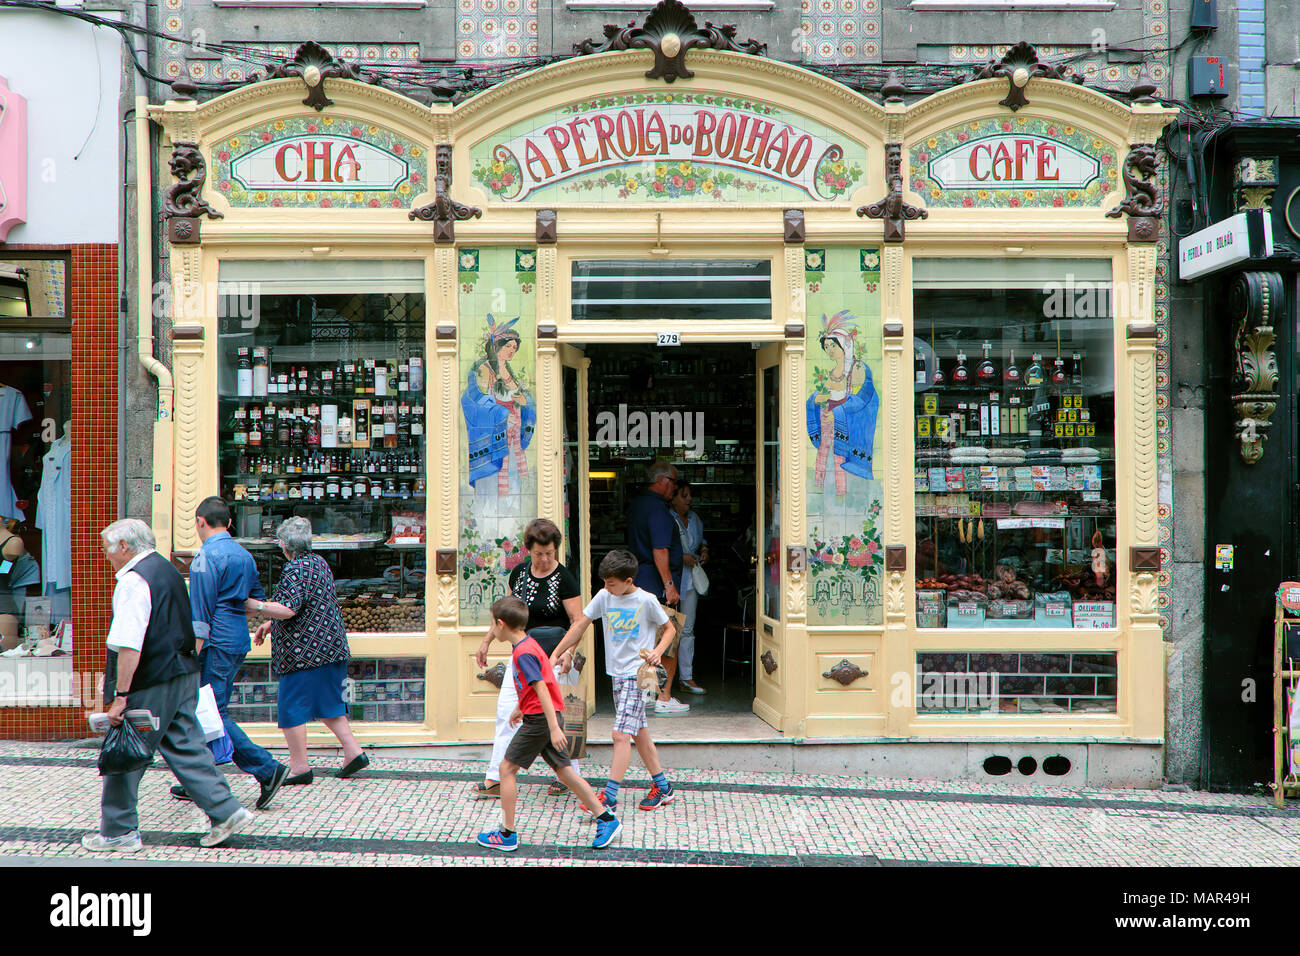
pixel 314 694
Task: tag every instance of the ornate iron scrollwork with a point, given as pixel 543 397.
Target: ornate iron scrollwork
pixel 769 662
pixel 845 672
pixel 669 31
pixel 1142 197
pixel 444 211
pixel 313 64
pixel 1251 301
pixel 494 675
pixel 183 203
pixel 891 208
pixel 1019 66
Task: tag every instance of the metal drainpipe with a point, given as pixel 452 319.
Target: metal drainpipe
pixel 123 303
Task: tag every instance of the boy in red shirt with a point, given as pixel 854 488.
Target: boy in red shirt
pixel 541 734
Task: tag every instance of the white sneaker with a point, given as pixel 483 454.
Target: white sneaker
pixel 671 706
pixel 126 843
pixel 223 831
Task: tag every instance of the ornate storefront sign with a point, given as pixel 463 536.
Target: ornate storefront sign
pixel 327 162
pixel 13 159
pixel 664 147
pixel 1021 162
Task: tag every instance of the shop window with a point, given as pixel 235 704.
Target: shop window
pixel 1061 682
pixel 322 416
pixel 35 459
pixel 376 689
pixel 699 290
pixel 1015 444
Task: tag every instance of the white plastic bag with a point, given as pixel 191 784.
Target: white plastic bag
pixel 208 714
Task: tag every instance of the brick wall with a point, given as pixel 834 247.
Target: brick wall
pixel 92 308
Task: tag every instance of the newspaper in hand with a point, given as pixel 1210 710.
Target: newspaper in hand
pixel 142 720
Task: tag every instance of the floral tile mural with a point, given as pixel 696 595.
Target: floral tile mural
pixel 845 555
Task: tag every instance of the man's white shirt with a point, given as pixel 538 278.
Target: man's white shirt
pixel 132 605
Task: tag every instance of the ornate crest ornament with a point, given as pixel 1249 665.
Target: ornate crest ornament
pixel 494 675
pixel 891 208
pixel 1019 66
pixel 444 211
pixel 769 662
pixel 183 203
pixel 1251 301
pixel 669 31
pixel 1142 197
pixel 313 64
pixel 845 673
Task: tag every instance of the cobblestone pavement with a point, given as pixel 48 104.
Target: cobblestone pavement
pixel 404 812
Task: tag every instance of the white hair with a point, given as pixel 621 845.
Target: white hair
pixel 659 469
pixel 294 535
pixel 131 533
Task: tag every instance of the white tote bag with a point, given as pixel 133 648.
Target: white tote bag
pixel 208 714
pixel 699 580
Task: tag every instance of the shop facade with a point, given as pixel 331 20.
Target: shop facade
pixel 920 336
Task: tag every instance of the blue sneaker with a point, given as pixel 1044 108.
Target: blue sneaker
pixel 496 840
pixel 606 830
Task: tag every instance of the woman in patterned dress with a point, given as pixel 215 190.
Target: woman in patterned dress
pixel 309 652
pixel 554 601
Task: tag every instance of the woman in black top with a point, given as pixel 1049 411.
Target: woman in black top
pixel 554 601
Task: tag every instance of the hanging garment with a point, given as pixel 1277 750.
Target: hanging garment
pixel 54 515
pixel 13 412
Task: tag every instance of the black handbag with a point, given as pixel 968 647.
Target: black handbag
pixel 123 751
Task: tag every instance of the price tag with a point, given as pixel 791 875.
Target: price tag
pixel 670 338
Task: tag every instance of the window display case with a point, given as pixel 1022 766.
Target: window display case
pixel 1015 444
pixel 322 411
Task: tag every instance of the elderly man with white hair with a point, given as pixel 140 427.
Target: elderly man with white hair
pixel 156 671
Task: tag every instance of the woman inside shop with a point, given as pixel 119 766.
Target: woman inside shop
pixel 695 553
pixel 309 652
pixel 554 601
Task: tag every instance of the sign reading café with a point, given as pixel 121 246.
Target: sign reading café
pixel 654 147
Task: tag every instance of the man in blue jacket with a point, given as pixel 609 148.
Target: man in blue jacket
pixel 223 580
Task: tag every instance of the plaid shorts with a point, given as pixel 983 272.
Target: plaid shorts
pixel 629 706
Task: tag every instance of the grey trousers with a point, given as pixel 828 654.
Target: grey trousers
pixel 179 739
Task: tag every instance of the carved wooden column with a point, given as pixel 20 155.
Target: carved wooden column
pixel 795 656
pixel 550 395
pixel 897 528
pixel 445 661
pixel 192 470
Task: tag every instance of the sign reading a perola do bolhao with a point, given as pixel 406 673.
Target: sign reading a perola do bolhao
pixel 668 146
pixel 324 162
pixel 1021 162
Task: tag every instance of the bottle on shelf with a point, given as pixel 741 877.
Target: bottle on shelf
pixel 986 372
pixel 1012 374
pixel 390 424
pixel 417 374
pixel 1034 374
pixel 244 373
pixel 1076 370
pixel 381 379
pixel 261 371
pixel 918 363
pixel 1058 371
pixel 960 373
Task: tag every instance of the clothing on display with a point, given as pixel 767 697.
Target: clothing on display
pixel 54 515
pixel 13 412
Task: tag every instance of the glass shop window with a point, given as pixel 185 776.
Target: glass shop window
pixel 322 416
pixel 1014 374
pixel 35 458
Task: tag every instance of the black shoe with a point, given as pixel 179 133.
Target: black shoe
pixel 179 793
pixel 270 789
pixel 360 762
pixel 302 778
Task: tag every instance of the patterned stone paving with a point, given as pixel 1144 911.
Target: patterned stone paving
pixel 414 812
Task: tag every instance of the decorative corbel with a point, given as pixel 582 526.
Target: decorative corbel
pixel 1251 301
pixel 1019 66
pixel 844 673
pixel 891 208
pixel 494 675
pixel 313 64
pixel 546 227
pixel 795 230
pixel 669 31
pixel 444 211
pixel 1142 197
pixel 183 203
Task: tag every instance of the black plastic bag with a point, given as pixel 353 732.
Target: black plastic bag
pixel 123 751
